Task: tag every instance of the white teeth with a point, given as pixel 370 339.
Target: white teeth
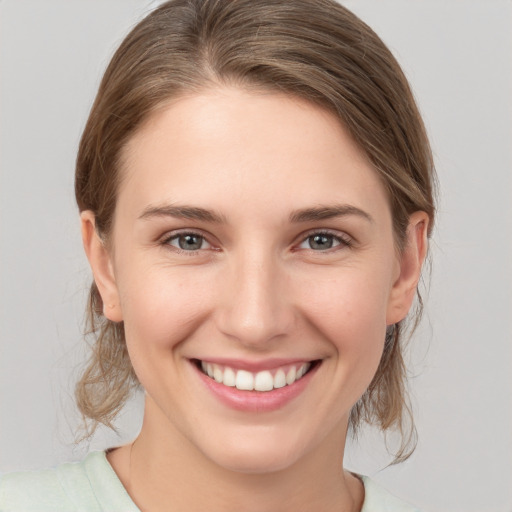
pixel 290 376
pixel 279 379
pixel 302 370
pixel 218 374
pixel 244 380
pixel 261 381
pixel 229 377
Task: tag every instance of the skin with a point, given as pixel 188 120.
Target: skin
pixel 256 289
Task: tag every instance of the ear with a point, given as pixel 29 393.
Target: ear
pixel 102 268
pixel 410 264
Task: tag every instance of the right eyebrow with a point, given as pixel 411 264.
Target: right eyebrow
pixel 328 212
pixel 183 212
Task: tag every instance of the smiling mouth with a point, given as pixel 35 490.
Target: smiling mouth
pixel 264 381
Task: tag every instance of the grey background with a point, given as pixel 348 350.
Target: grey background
pixel 458 56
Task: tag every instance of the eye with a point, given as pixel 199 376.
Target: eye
pixel 188 242
pixel 323 241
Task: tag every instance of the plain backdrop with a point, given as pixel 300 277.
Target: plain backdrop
pixel 458 57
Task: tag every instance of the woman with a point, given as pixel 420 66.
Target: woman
pixel 255 189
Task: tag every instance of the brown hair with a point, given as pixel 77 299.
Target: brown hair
pixel 313 49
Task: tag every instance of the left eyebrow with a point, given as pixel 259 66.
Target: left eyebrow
pixel 328 212
pixel 183 212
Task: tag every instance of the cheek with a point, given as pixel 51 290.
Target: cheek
pixel 163 309
pixel 350 314
pixel 353 302
pixel 162 306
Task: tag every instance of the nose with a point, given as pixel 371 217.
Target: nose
pixel 255 308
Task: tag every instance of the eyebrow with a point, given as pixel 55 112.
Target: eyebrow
pixel 297 216
pixel 183 212
pixel 328 212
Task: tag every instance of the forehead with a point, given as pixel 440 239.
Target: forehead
pixel 228 147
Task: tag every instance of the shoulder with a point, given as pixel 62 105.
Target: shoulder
pixel 378 499
pixel 79 486
pixel 49 489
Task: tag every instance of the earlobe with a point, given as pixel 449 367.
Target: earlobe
pixel 411 262
pixel 101 264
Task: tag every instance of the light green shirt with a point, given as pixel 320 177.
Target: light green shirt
pixel 93 486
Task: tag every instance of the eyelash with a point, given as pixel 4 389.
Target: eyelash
pixel 166 241
pixel 342 241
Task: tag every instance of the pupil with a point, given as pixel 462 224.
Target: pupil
pixel 190 242
pixel 321 242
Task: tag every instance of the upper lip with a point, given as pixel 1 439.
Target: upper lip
pixel 255 366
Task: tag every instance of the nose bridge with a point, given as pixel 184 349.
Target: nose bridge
pixel 255 310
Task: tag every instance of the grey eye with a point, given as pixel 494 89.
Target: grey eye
pixel 189 242
pixel 321 242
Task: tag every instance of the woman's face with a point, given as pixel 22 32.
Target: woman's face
pixel 252 240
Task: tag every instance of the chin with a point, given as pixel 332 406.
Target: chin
pixel 255 463
pixel 258 457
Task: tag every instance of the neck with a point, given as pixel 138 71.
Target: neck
pixel 162 467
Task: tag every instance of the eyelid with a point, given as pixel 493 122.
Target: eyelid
pixel 170 235
pixel 344 239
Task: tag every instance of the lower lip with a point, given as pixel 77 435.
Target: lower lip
pixel 256 401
